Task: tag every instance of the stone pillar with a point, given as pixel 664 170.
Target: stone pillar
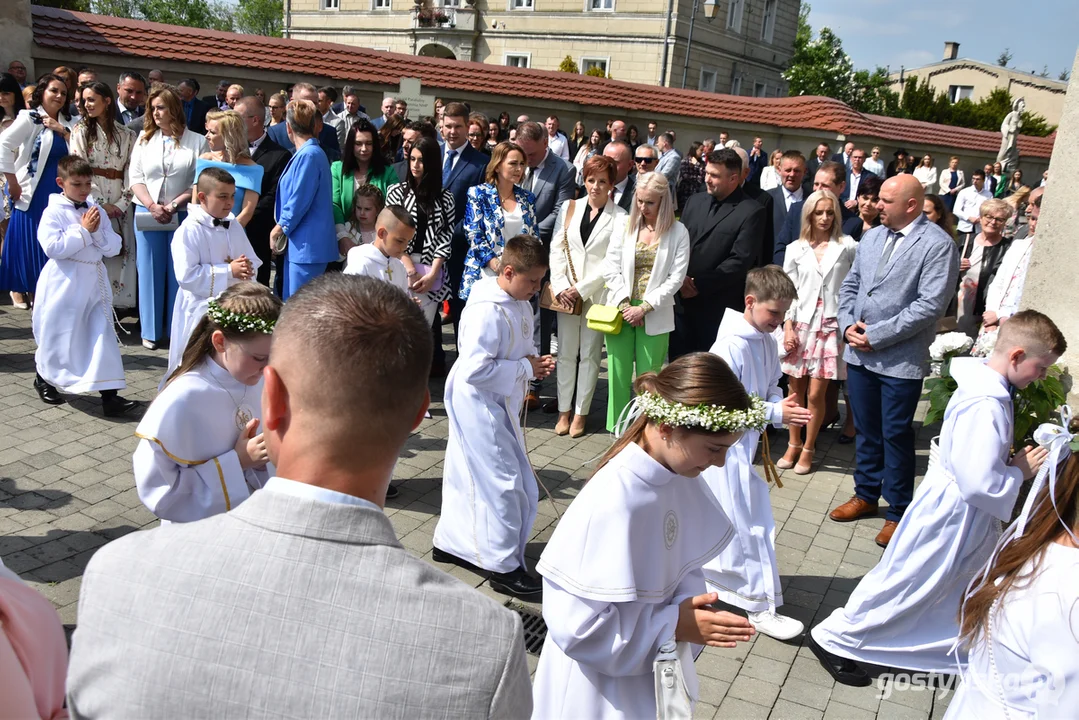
pixel 17 34
pixel 1051 285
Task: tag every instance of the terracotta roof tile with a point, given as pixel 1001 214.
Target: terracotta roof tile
pixel 101 34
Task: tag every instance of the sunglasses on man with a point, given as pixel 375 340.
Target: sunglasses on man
pixel 644 161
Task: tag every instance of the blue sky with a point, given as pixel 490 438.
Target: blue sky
pixel 912 32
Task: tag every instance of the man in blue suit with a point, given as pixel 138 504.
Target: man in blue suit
pixel 327 136
pixel 462 167
pixel 304 204
pixel 789 193
pixel 903 276
pixel 831 176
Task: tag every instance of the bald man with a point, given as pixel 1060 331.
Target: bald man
pixel 302 599
pixel 903 277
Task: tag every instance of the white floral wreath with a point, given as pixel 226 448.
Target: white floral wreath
pixel 713 418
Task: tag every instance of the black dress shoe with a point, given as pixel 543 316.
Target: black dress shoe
pixel 550 407
pixel 392 492
pixel 48 394
pixel 842 670
pixel 116 406
pixel 518 584
pixel 845 439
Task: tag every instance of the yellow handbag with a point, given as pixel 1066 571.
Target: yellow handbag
pixel 604 319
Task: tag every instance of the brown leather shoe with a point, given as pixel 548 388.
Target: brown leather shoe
pixel 853 509
pixel 532 400
pixel 885 535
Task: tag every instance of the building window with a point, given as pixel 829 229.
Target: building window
pixel 450 3
pixel 768 22
pixel 736 85
pixel 520 4
pixel 960 92
pixel 760 89
pixel 331 4
pixel 521 60
pixel 601 5
pixel 587 63
pixel 707 82
pixel 380 4
pixel 734 15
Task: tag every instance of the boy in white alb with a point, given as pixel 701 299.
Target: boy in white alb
pixel 904 613
pixel 489 492
pixel 745 573
pixel 210 252
pixel 77 349
pixel 382 258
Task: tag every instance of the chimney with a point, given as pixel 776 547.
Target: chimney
pixel 951 50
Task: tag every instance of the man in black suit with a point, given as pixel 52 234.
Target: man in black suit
pixel 844 157
pixel 462 167
pixel 217 102
pixel 327 135
pixel 194 109
pixel 831 176
pixel 764 252
pixel 273 158
pixel 792 170
pixel 820 157
pixel 130 97
pixel 726 228
pixel 625 181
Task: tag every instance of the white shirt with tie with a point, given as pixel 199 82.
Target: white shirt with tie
pixel 895 239
pixel 620 188
pixel 450 157
pixel 530 174
pixel 255 145
pixel 792 197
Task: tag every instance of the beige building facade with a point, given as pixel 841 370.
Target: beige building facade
pixel 962 78
pixel 741 50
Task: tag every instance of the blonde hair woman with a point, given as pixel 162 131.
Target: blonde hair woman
pixel 817 262
pixel 276 105
pixel 162 173
pixel 645 265
pixel 770 175
pixel 226 135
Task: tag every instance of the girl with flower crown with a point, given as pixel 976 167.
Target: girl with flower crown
pixel 622 575
pixel 200 451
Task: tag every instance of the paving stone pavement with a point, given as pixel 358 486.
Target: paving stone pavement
pixel 66 489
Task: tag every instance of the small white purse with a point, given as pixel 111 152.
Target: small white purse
pixel 673 701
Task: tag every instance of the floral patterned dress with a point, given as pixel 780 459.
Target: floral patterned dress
pixel 110 186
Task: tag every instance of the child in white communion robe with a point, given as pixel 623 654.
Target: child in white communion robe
pixel 77 348
pixel 381 259
pixel 1020 622
pixel 489 491
pixel 200 450
pixel 905 611
pixel 623 585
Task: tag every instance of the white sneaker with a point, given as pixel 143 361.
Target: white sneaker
pixel 775 625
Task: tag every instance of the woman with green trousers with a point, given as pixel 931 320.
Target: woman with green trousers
pixel 645 265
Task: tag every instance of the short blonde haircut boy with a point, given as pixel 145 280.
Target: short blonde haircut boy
pixel 770 283
pixel 1032 331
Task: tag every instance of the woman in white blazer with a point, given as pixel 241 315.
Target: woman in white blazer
pixel 926 174
pixel 30 149
pixel 582 232
pixel 645 265
pixel 817 262
pixel 162 172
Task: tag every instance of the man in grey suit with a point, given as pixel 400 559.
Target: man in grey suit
pixel 903 276
pixel 301 603
pixel 550 179
pixel 670 162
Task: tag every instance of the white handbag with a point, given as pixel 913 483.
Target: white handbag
pixel 673 701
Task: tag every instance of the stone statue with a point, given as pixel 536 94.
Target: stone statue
pixel 1008 157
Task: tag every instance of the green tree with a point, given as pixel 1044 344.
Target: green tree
pixel 596 71
pixel 872 93
pixel 209 14
pixel 820 67
pixel 568 65
pixel 1005 57
pixel 76 5
pixel 261 17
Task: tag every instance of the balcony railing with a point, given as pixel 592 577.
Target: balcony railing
pixel 444 18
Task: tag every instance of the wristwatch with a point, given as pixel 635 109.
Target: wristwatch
pixel 173 206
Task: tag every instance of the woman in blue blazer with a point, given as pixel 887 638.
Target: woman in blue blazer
pixel 496 211
pixel 304 206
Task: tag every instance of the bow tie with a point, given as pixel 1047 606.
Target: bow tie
pixel 80 205
pixel 222 223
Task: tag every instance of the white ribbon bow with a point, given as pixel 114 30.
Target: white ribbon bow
pixel 1056 439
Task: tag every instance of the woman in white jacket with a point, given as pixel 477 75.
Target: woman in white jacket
pixel 645 265
pixel 582 232
pixel 817 262
pixel 926 174
pixel 30 149
pixel 162 172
